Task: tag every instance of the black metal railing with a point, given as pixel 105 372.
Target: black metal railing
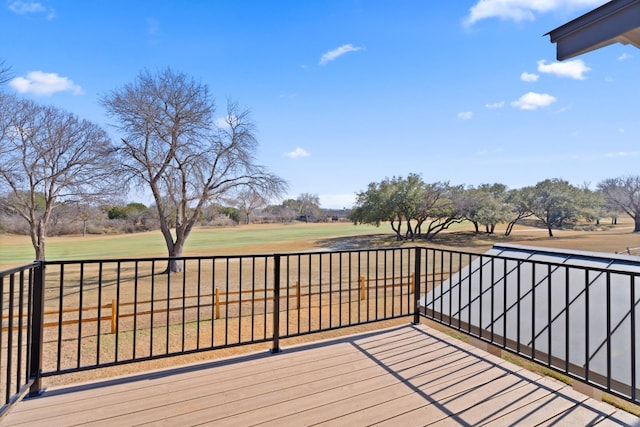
pixel 102 313
pixel 18 336
pixel 580 319
pixel 61 317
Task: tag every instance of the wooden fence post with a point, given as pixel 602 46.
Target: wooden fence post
pixel 413 282
pixel 362 293
pixel 114 316
pixel 298 294
pixel 217 297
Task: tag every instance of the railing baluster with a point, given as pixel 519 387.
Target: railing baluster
pixel 276 304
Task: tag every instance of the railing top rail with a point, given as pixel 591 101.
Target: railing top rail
pixel 612 268
pixel 219 257
pixel 18 269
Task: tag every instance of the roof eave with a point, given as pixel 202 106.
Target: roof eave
pixel 615 22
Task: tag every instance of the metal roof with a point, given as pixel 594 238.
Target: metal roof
pixel 617 21
pixel 555 303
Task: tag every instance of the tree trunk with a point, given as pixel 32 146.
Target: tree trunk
pixel 40 240
pixel 509 229
pixel 176 265
pixel 550 232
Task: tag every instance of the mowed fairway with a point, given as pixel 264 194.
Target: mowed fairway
pixel 295 237
pixel 246 239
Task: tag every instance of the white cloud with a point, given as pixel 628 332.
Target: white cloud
pixel 297 153
pixel 23 8
pixel 495 105
pixel 620 130
pixel 465 115
pixel 522 10
pixel 338 52
pixel 533 101
pixel 574 69
pixel 624 57
pixel 529 77
pixel 41 83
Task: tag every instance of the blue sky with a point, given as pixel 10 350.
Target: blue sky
pixel 346 92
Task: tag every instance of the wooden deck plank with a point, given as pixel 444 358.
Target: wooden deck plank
pixel 165 397
pixel 409 375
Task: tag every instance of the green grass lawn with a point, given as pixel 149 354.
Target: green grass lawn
pixel 17 250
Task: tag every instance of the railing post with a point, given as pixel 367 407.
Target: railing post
pixel 416 295
pixel 276 304
pixel 37 330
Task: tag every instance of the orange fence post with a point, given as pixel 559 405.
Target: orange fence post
pixel 217 303
pixel 114 316
pixel 362 288
pixel 298 294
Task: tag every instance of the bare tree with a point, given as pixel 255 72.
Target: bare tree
pixel 172 145
pixel 308 205
pixel 623 194
pixel 49 157
pixel 5 72
pixel 247 201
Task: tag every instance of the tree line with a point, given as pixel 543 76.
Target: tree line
pixel 415 208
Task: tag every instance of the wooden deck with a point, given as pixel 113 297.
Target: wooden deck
pixel 404 376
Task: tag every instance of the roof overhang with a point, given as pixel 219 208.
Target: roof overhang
pixel 617 21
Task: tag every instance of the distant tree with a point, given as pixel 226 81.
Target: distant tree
pixel 173 146
pixel 593 204
pixel 516 203
pixel 446 211
pixel 280 213
pixel 84 213
pixel 623 194
pixel 308 205
pixel 375 205
pixel 49 157
pixel 486 205
pixel 553 201
pixel 411 202
pixel 132 212
pixel 248 201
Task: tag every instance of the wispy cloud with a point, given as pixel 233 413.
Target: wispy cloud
pixel 522 10
pixel 297 153
pixel 287 95
pixel 624 57
pixel 529 77
pixel 24 8
pixel 574 69
pixel 533 101
pixel 465 115
pixel 41 83
pixel 153 26
pixel 495 105
pixel 623 154
pixel 334 54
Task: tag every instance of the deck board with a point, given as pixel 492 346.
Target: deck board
pixel 408 375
